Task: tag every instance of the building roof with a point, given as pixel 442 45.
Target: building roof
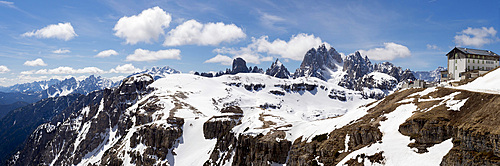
pixel 476 51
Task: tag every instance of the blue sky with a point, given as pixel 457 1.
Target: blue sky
pixel 58 39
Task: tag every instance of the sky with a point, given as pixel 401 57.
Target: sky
pixel 41 40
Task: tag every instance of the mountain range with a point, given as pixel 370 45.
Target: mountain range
pixel 331 111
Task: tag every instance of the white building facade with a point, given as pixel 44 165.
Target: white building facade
pixel 462 60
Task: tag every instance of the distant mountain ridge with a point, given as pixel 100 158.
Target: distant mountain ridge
pixel 157 72
pixel 430 76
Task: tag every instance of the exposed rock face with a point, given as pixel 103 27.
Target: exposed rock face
pixel 95 119
pixel 255 69
pixel 277 69
pixel 239 66
pixel 330 148
pixel 473 129
pixel 361 74
pixel 319 62
pixel 20 123
pixel 356 66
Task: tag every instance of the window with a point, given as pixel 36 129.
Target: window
pixel 473 61
pixel 468 67
pixel 455 67
pixel 483 61
pixel 468 60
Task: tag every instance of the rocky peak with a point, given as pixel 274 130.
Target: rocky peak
pixel 356 66
pixel 239 66
pixel 394 71
pixel 255 69
pixel 318 62
pixel 135 86
pixel 277 69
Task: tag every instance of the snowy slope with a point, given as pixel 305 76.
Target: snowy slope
pixel 304 111
pixel 488 83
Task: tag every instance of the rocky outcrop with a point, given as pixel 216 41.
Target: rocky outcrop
pixel 319 62
pixel 278 70
pixel 356 66
pixel 61 139
pixel 330 148
pixel 473 129
pixel 239 66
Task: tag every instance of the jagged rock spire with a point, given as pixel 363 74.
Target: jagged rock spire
pixel 277 69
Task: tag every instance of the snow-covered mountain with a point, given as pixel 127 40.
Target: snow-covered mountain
pixel 31 87
pixel 158 72
pixel 254 119
pixel 278 70
pixel 71 85
pixel 430 76
pixel 374 80
pixel 179 109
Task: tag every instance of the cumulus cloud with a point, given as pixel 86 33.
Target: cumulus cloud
pixel 222 59
pixel 126 68
pixel 65 70
pixel 389 52
pixel 293 49
pixel 193 32
pixel 4 69
pixel 476 36
pixel 146 55
pixel 36 62
pixel 63 31
pixel 61 51
pixel 147 25
pixel 106 53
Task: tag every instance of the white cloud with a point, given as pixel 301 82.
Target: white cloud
pixel 7 3
pixel 146 55
pixel 271 20
pixel 294 49
pixel 65 70
pixel 61 51
pixel 193 32
pixel 36 62
pixel 476 36
pixel 63 31
pixel 4 69
pixel 389 52
pixel 106 53
pixel 432 47
pixel 126 68
pixel 147 25
pixel 224 60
